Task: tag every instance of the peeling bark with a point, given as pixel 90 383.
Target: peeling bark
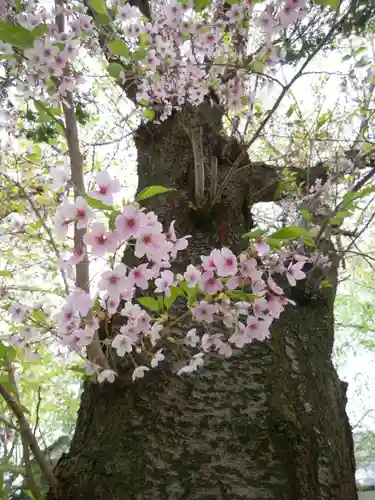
pixel 269 423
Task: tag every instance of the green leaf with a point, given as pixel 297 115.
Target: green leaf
pixel 112 216
pixel 354 195
pixel 115 69
pixel 329 3
pixel 149 114
pixel 149 303
pixel 273 242
pixel 78 369
pixel 152 191
pixel 201 4
pixel 99 6
pixel 18 36
pixel 253 234
pixel 191 293
pixel 306 215
pixel 94 203
pixel 38 315
pixel 239 295
pixel 175 292
pixel 120 48
pixel 323 119
pixel 289 233
pixel 291 110
pixel 5 274
pixel 7 351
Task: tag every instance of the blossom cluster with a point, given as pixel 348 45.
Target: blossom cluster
pixel 232 300
pixel 178 55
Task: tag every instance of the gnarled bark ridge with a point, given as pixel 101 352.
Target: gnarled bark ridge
pixel 268 423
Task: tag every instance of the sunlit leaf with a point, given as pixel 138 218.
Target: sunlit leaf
pixel 152 191
pixel 149 303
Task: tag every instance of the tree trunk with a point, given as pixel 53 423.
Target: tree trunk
pixel 268 423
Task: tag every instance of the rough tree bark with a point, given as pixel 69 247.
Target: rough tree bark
pixel 268 423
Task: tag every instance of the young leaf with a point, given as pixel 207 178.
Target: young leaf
pixel 94 203
pixel 289 233
pixel 115 69
pixel 175 292
pixel 152 191
pixel 149 303
pixel 98 6
pixel 120 48
pixel 253 234
pixel 5 274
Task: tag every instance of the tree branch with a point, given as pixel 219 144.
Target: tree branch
pixel 94 350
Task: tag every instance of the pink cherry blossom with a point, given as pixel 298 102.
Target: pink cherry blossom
pixel 164 283
pixel 140 276
pixel 152 243
pixel 114 281
pixel 100 240
pixel 209 284
pixel 192 276
pixel 205 311
pixel 111 304
pixel 83 212
pixel 226 262
pixel 106 188
pixel 261 247
pixel 256 328
pixel 275 305
pixel 64 216
pixel 249 268
pixel 130 222
pixel 80 301
pixel 295 273
pixel 209 262
pixel 225 350
pixel 177 243
pixel 274 287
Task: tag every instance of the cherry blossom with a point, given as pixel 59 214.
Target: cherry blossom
pixel 64 216
pixel 139 372
pixel 17 312
pixel 106 375
pixel 80 301
pixel 130 222
pixel 157 358
pixel 256 328
pixel 114 280
pixel 178 244
pixel 294 273
pixel 152 243
pixel 164 283
pixel 261 247
pixel 100 240
pixel 204 311
pixel 192 276
pixel 107 187
pixel 226 262
pixel 140 276
pixel 209 262
pixel 83 213
pixel 191 338
pixel 123 344
pixel 209 284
